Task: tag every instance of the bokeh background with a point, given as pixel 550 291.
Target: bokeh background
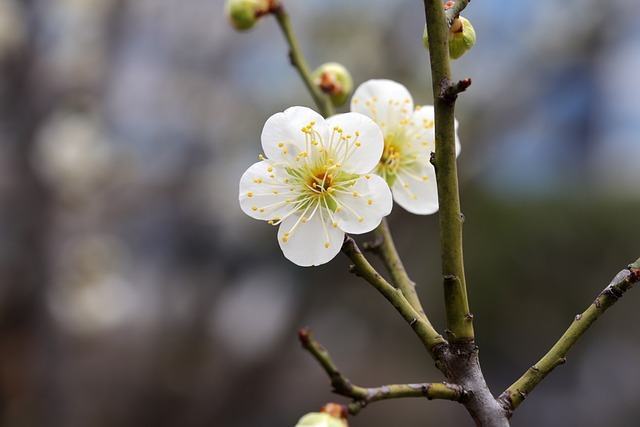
pixel 134 292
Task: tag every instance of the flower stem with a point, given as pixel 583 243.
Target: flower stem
pixel 323 102
pixel 420 325
pixel 385 248
pixel 459 319
pixel 622 282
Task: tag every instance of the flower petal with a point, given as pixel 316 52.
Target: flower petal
pixel 282 137
pixel 416 190
pixel 313 242
pixel 385 101
pixel 263 192
pixel 360 147
pixel 423 120
pixel 362 210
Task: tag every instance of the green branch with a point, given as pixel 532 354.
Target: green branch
pixel 362 396
pixel 453 11
pixel 385 248
pixel 420 325
pixel 622 282
pixel 459 319
pixel 299 62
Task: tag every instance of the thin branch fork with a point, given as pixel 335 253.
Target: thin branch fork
pixel 362 396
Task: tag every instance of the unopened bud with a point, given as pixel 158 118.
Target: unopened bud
pixel 331 415
pixel 334 80
pixel 462 37
pixel 243 15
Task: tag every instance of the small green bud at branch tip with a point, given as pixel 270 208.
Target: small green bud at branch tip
pixel 243 15
pixel 334 80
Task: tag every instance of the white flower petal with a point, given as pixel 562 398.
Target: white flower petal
pixel 360 150
pixel 263 192
pixel 306 243
pixel 282 137
pixel 424 115
pixel 385 101
pixel 362 210
pixel 415 193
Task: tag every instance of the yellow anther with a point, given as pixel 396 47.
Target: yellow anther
pixel 312 123
pixel 270 222
pixel 285 150
pixel 418 107
pixel 357 133
pixel 339 208
pixel 370 201
pixel 284 239
pixel 287 200
pixel 262 210
pixel 330 190
pixel 348 136
pixel 355 100
pixel 375 99
pixel 405 185
pixel 286 234
pixel 374 111
pixel 424 178
pixel 335 224
pixel 414 197
pixel 280 144
pixel 367 176
pixel 304 219
pixel 358 144
pixel 270 169
pixel 254 208
pixel 275 191
pixel 276 218
pixel 261 157
pixel 355 194
pixel 360 219
pixel 331 161
pixel 250 194
pixel 326 245
pixel 272 176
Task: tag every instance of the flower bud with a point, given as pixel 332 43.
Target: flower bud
pixel 332 415
pixel 462 37
pixel 243 15
pixel 334 80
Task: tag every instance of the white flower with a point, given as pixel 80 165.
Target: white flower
pixel 314 182
pixel 409 139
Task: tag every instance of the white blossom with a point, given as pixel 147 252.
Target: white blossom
pixel 409 139
pixel 315 182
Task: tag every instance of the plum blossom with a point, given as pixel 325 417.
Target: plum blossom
pixel 315 182
pixel 409 139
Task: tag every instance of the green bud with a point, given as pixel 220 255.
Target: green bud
pixel 321 419
pixel 243 15
pixel 462 37
pixel 334 80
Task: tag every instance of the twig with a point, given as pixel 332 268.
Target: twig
pixel 518 391
pixel 298 61
pixel 362 396
pixel 453 11
pixel 420 325
pixel 459 321
pixel 386 250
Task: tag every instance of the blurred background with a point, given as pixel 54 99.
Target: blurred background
pixel 134 292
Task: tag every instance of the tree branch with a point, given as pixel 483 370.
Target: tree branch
pixel 298 61
pixel 420 325
pixel 363 396
pixel 513 396
pixel 385 248
pixel 459 320
pixel 453 11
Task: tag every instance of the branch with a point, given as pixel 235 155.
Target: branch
pixel 453 11
pixel 512 397
pixel 385 248
pixel 459 319
pixel 363 396
pixel 420 325
pixel 298 61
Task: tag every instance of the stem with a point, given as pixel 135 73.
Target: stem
pixel 385 248
pixel 459 319
pixel 322 101
pixel 453 11
pixel 420 325
pixel 513 396
pixel 362 396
